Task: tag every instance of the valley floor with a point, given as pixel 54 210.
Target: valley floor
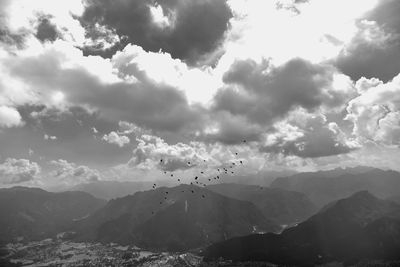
pixel 58 252
pixel 65 253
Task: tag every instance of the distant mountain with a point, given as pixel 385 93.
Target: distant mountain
pixel 349 230
pixel 282 206
pixel 325 186
pixel 33 213
pixel 112 189
pixel 184 218
pixel 262 178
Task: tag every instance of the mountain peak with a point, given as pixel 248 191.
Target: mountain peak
pixel 360 208
pixel 363 194
pixel 23 189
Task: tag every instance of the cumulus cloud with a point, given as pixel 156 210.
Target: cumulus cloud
pixel 153 152
pixel 308 136
pixel 73 173
pixel 186 29
pixel 15 171
pixel 198 84
pixel 154 155
pixel 375 113
pixel 115 138
pixel 9 117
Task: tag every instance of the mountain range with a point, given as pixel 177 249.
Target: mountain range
pixel 112 189
pixel 282 206
pixel 326 186
pixel 115 189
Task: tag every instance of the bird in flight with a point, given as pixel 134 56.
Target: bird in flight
pixel 224 168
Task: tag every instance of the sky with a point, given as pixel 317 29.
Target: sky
pixel 103 90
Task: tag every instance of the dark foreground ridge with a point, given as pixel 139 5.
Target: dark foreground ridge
pixel 349 230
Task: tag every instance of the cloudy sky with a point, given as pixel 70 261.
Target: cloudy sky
pixel 102 90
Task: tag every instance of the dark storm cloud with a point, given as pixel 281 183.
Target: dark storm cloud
pixel 46 31
pixel 233 130
pixel 154 106
pixel 268 93
pixel 386 14
pixel 367 59
pixel 318 140
pixel 196 26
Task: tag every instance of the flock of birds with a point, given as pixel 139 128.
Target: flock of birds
pixel 203 175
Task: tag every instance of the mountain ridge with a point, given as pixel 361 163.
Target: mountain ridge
pixel 33 213
pixel 324 187
pixel 125 220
